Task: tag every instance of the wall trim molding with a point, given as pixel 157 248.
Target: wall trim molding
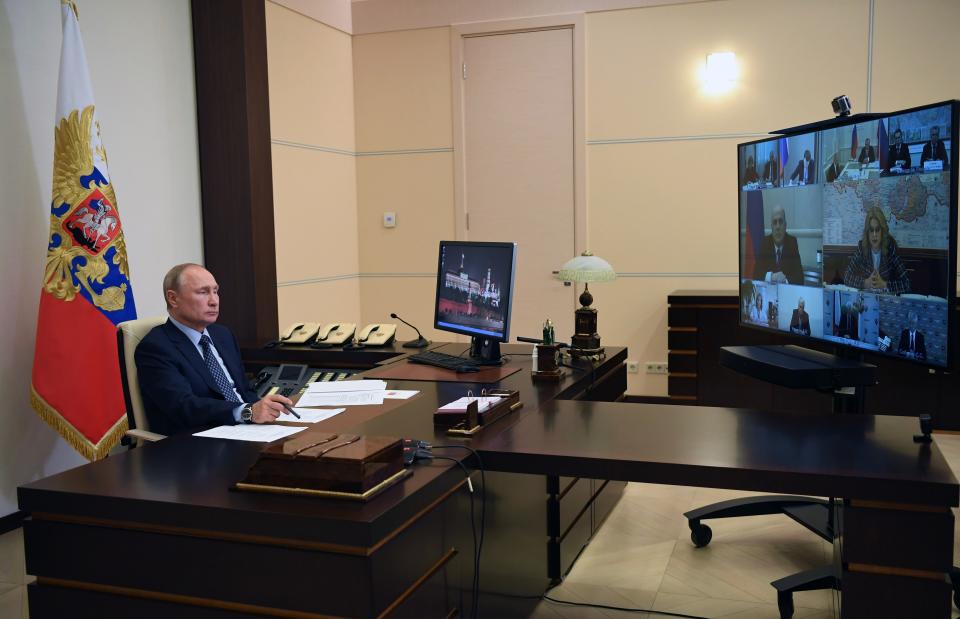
pixel 678 138
pixel 427 275
pixel 361 153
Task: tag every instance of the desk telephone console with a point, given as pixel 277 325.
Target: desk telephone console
pixel 338 334
pixel 290 379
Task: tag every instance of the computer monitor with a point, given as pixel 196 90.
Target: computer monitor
pixel 848 232
pixel 475 294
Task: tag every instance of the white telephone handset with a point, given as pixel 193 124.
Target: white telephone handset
pixel 336 333
pixel 377 334
pixel 299 333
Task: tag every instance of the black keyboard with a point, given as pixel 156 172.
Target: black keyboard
pixel 440 360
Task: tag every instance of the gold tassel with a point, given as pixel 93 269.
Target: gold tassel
pixel 78 441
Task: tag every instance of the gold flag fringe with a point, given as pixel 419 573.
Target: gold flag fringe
pixel 77 440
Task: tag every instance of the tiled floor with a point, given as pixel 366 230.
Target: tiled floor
pixel 643 559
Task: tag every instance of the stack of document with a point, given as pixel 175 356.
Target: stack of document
pixel 349 393
pixel 460 406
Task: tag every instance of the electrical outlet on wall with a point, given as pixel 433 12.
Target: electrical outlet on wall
pixel 656 367
pixel 633 366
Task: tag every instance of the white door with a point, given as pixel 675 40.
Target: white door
pixel 518 155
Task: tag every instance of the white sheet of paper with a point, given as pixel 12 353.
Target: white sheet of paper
pixel 344 398
pixel 399 394
pixel 339 386
pixel 311 415
pixel 257 433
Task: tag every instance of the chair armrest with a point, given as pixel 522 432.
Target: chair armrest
pixel 143 435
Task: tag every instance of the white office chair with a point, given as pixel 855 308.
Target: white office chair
pixel 129 336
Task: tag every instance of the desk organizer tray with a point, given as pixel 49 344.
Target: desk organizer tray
pixel 471 421
pixel 347 466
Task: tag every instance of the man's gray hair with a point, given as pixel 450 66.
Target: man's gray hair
pixel 174 278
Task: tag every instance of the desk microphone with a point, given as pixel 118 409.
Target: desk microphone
pixel 420 342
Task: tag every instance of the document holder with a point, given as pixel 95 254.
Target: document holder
pixel 472 421
pixel 346 466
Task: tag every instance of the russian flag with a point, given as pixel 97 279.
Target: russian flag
pixel 784 156
pixel 85 292
pixel 854 144
pixel 754 232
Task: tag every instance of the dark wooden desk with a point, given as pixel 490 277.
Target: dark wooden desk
pixel 896 543
pixel 155 531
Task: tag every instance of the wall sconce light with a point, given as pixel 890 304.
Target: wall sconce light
pixel 720 72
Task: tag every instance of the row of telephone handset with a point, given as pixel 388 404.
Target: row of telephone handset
pixel 338 334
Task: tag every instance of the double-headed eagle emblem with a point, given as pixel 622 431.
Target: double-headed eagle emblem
pixel 85 229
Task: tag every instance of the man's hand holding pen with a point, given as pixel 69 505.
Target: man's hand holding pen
pixel 269 407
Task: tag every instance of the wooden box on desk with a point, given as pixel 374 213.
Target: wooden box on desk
pixel 321 461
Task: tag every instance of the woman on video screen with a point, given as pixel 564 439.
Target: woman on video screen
pixel 876 266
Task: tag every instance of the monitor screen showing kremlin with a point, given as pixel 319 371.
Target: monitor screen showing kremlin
pixel 475 288
pixel 848 233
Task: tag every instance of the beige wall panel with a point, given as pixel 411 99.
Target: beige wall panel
pixel 633 313
pixel 329 301
pixel 647 214
pixel 403 90
pixel 419 189
pixel 311 80
pixel 914 51
pixel 642 66
pixel 315 213
pixel 411 298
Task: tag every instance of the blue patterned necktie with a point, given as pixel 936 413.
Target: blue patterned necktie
pixel 219 377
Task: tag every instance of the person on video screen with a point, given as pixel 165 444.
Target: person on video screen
pixel 867 154
pixel 833 171
pixel 898 155
pixel 779 259
pixel 771 170
pixel 805 172
pixel 876 266
pixel 849 326
pixel 934 150
pixel 750 174
pixel 911 340
pixel 800 321
pixel 757 313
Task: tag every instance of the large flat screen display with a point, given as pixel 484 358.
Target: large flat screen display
pixel 848 233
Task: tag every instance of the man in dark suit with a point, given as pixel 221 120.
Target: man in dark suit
pixel 867 155
pixel 800 321
pixel 898 153
pixel 934 150
pixel 849 326
pixel 771 170
pixel 189 368
pixel 911 340
pixel 833 171
pixel 779 258
pixel 805 170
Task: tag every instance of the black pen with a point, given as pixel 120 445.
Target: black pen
pixel 291 411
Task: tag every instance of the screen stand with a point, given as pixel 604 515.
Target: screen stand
pixel 485 350
pixel 843 375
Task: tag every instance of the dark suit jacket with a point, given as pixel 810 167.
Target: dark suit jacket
pixel 833 172
pixel 867 155
pixel 800 322
pixel 849 324
pixel 811 171
pixel 789 260
pixel 178 391
pixel 940 155
pixel 771 171
pixel 919 347
pixel 895 154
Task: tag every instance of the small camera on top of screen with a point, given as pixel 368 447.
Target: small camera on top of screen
pixel 841 105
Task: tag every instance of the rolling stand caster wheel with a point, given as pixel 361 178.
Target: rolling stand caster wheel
pixel 700 534
pixel 785 604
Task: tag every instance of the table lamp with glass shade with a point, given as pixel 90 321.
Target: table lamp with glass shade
pixel 586 268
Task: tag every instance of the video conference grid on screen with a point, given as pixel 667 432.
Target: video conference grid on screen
pixel 846 233
pixel 474 281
